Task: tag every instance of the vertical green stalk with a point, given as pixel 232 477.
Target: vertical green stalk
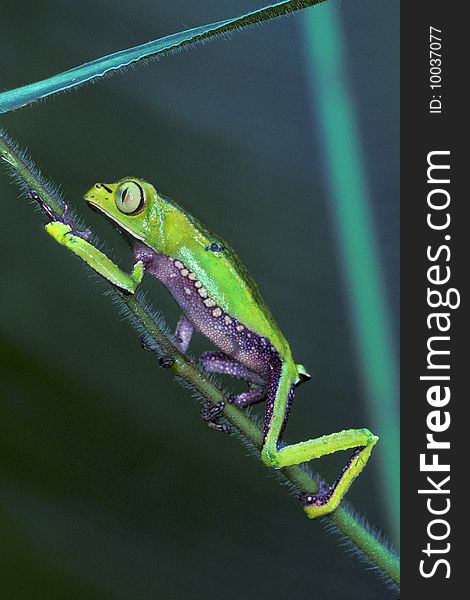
pixel 332 101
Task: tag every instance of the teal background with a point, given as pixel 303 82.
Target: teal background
pixel 111 486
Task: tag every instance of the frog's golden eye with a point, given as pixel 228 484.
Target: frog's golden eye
pixel 130 198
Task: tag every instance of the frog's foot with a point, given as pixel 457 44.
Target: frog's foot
pixel 251 396
pixel 319 498
pixel 85 235
pixel 328 497
pixel 144 344
pixel 53 216
pixel 211 413
pixel 166 362
pixel 219 426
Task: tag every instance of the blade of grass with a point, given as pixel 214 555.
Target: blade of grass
pixel 13 99
pixel 334 107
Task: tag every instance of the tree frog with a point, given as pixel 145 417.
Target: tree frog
pixel 218 298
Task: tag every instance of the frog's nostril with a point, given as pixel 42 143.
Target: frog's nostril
pixel 98 186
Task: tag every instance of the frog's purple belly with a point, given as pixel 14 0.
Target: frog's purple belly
pixel 226 332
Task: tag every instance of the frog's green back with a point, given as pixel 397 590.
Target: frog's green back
pixel 225 277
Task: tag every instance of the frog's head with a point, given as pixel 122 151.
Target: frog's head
pixel 132 204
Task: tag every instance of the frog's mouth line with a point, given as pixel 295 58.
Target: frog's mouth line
pixel 119 226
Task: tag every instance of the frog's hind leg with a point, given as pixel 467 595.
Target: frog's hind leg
pixel 219 362
pixel 248 398
pixel 279 396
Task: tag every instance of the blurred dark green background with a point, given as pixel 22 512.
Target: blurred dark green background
pixel 111 486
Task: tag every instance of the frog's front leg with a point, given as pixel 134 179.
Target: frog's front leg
pixel 279 397
pixel 99 262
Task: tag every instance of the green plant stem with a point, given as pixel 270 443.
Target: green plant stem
pixel 22 96
pixel 383 559
pixel 27 175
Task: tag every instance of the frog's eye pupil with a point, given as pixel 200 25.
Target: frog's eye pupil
pixel 130 198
